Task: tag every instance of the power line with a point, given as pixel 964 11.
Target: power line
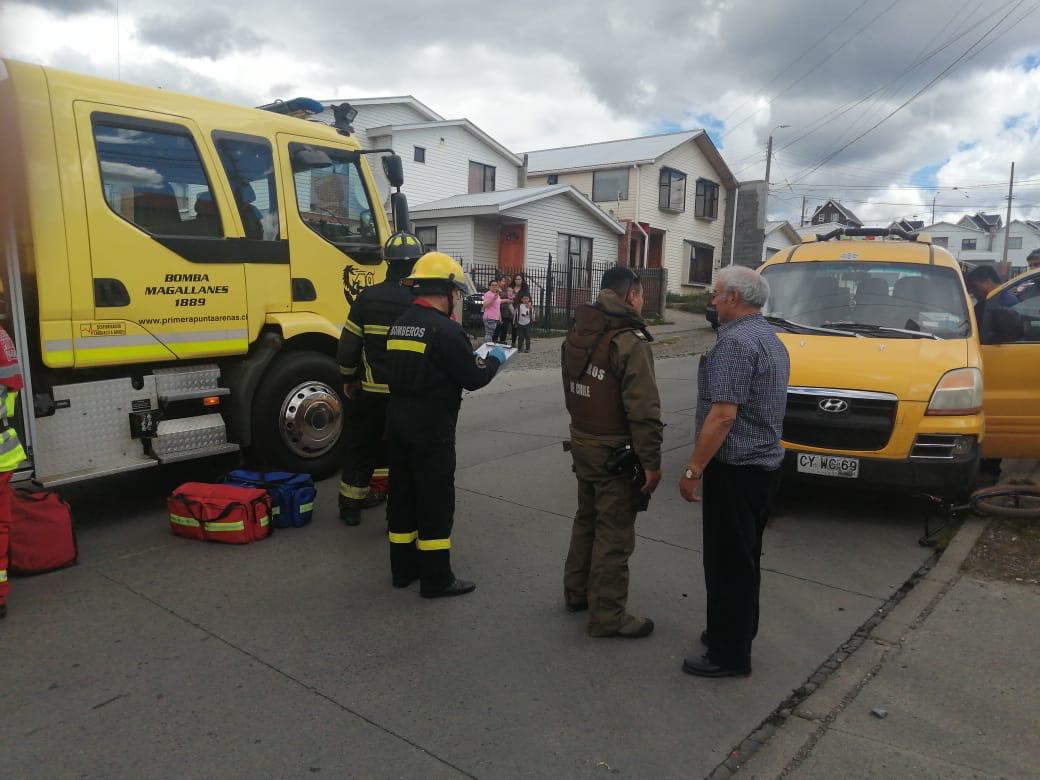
pixel 942 74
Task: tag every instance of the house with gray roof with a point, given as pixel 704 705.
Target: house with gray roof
pixel 669 192
pixel 520 228
pixel 833 212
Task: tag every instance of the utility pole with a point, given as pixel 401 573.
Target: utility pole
pixel 801 220
pixel 1007 223
pixel 769 158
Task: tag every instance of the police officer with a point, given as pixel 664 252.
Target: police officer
pixel 11 452
pixel 362 360
pixel 612 398
pixel 430 361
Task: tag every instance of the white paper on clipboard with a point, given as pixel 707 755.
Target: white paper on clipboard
pixel 485 349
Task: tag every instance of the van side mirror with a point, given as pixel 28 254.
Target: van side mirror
pixel 399 209
pixel 394 170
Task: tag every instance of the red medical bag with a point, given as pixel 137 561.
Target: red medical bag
pixel 220 513
pixel 41 533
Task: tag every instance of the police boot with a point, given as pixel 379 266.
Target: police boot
pixel 631 628
pixel 456 587
pixel 350 514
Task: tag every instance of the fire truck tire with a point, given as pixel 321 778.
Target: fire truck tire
pixel 298 415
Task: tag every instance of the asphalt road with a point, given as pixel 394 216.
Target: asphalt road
pixel 159 656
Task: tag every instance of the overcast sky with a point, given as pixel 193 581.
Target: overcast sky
pixel 548 73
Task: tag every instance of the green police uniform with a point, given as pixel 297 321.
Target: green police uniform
pixel 612 398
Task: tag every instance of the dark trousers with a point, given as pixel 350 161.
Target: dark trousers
pixel 502 331
pixel 364 448
pixel 602 540
pixel 523 336
pixel 5 531
pixel 420 508
pixel 736 508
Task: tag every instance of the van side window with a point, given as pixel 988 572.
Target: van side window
pixel 331 197
pixel 152 176
pixel 249 164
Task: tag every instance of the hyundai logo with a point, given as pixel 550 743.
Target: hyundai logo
pixel 834 405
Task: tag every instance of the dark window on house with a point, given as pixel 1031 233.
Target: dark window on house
pixel 481 177
pixel 672 190
pixel 249 165
pixel 153 177
pixel 1014 242
pixel 610 185
pixel 420 154
pixel 552 178
pixel 968 243
pixel 701 262
pixel 428 237
pixel 576 252
pixel 707 199
pixel 943 241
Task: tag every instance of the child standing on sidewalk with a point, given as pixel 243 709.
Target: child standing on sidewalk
pixel 492 311
pixel 523 318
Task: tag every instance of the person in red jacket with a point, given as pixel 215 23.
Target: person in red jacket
pixel 11 452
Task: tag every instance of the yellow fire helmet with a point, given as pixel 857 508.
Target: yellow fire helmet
pixel 436 269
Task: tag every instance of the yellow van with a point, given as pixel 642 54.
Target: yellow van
pixel 887 371
pixel 178 271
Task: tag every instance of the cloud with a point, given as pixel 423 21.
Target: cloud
pixel 198 33
pixel 587 70
pixel 63 7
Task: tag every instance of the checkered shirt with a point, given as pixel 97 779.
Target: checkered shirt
pixel 749 367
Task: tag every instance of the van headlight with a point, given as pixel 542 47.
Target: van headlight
pixel 958 392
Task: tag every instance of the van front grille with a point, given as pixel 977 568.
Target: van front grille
pixel 839 419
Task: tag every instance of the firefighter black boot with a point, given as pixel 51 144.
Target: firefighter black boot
pixel 350 514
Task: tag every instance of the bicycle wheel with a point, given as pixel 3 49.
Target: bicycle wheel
pixel 1015 501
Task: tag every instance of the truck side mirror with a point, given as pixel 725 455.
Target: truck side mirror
pixel 394 170
pixel 307 157
pixel 399 208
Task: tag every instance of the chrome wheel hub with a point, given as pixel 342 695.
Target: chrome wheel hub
pixel 311 419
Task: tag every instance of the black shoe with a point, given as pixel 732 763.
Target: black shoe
pixel 351 515
pixel 705 667
pixel 576 606
pixel 457 587
pixel 631 628
pixel 3 611
pixel 704 638
pixel 404 582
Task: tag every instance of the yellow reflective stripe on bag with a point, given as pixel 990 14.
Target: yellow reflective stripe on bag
pixel 407 538
pixel 3 575
pixel 189 522
pixel 264 521
pixel 234 525
pixel 429 545
pixel 307 507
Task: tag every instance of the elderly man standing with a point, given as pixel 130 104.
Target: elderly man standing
pixel 742 393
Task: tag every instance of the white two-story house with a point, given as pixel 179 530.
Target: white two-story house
pixel 670 192
pixel 462 188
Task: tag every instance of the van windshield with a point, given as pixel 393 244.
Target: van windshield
pixel 870 298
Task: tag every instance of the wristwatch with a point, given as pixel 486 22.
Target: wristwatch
pixel 689 474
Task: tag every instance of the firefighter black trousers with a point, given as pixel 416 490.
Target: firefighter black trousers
pixel 736 507
pixel 364 448
pixel 421 506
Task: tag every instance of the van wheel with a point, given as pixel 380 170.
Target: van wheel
pixel 298 414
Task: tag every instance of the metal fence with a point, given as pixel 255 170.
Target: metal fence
pixel 557 289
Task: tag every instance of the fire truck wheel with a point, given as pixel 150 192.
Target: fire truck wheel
pixel 298 414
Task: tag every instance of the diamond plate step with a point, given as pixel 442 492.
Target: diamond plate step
pixel 182 383
pixel 191 437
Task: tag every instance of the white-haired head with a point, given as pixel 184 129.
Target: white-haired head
pixel 749 285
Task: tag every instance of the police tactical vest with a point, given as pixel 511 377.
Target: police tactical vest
pixel 591 389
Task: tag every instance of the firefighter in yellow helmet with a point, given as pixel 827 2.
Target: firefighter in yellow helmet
pixel 362 360
pixel 430 361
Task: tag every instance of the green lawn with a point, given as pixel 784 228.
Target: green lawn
pixel 694 303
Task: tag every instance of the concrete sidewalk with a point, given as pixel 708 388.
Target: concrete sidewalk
pixel 945 686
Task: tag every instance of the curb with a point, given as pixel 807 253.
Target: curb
pixel 778 745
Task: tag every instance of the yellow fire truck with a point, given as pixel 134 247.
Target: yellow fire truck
pixel 177 271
